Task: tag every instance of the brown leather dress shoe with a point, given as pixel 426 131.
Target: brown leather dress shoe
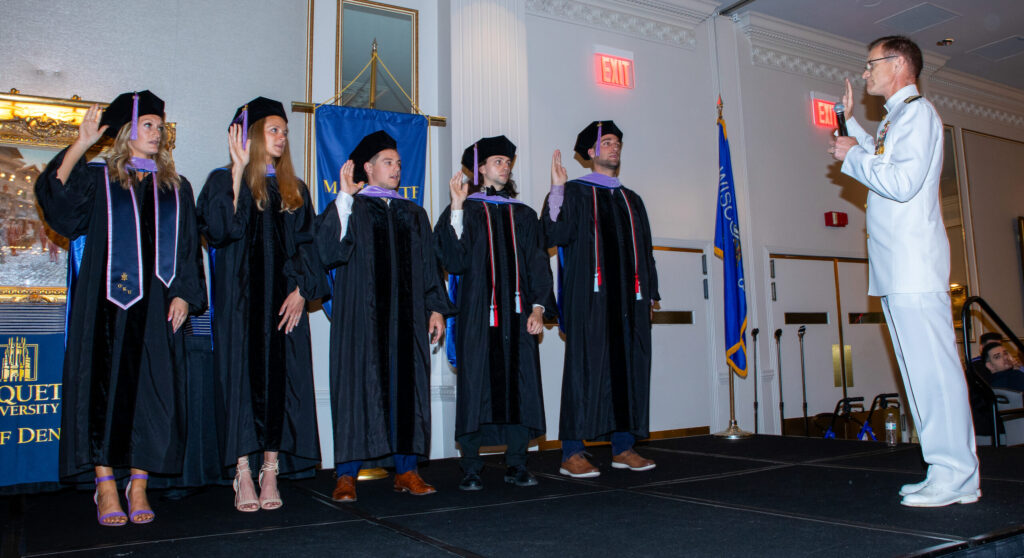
pixel 631 460
pixel 412 483
pixel 578 467
pixel 345 489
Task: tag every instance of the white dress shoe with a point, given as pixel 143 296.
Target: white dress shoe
pixel 917 486
pixel 912 488
pixel 932 496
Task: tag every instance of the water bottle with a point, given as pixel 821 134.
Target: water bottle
pixel 892 432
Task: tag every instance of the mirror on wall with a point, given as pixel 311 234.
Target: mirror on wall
pixel 389 84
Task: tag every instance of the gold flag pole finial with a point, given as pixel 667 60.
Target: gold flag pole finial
pixel 719 107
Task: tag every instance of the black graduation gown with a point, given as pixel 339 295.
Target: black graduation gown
pixel 607 374
pixel 387 282
pixel 124 378
pixel 498 378
pixel 264 376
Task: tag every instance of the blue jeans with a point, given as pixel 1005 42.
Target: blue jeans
pixel 621 441
pixel 403 464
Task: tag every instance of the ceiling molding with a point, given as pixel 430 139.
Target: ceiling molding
pixel 768 34
pixel 659 21
pixel 787 47
pixel 979 110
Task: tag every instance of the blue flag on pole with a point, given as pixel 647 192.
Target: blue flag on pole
pixel 727 247
pixel 339 130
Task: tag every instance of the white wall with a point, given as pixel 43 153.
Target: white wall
pixel 669 153
pixel 203 63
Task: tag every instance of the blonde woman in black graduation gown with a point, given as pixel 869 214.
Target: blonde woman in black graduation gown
pixel 140 277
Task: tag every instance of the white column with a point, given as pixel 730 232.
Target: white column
pixel 489 83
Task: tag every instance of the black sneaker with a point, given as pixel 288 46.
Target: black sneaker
pixel 520 476
pixel 471 482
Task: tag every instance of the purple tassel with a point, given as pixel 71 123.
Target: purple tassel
pixel 245 125
pixel 135 116
pixel 476 165
pixel 597 148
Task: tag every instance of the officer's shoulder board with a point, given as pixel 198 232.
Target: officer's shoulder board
pixel 911 99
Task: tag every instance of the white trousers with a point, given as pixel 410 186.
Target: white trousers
pixel 921 327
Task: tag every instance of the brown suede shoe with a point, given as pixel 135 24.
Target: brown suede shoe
pixel 412 483
pixel 631 460
pixel 345 489
pixel 578 467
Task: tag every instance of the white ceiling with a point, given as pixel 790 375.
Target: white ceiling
pixel 977 26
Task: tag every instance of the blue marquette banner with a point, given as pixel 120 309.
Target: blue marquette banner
pixel 339 130
pixel 30 407
pixel 727 247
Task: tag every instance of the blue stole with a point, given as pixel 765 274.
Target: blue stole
pixel 124 244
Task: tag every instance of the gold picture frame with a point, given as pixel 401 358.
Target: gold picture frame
pixel 33 258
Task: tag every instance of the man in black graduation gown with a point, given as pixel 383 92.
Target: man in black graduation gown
pixel 609 284
pixel 388 306
pixel 492 245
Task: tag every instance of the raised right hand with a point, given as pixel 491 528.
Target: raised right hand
pixel 239 152
pixel 848 100
pixel 459 189
pixel 558 174
pixel 346 183
pixel 89 131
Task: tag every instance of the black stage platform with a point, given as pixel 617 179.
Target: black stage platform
pixel 764 496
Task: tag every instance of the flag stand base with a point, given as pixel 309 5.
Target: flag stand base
pixel 734 432
pixel 372 474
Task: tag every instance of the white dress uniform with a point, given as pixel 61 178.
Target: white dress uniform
pixel 908 261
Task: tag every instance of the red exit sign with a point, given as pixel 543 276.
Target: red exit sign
pixel 823 113
pixel 615 71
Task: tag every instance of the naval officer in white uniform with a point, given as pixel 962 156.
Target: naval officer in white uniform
pixel 908 261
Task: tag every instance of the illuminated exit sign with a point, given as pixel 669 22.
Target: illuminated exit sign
pixel 823 110
pixel 616 71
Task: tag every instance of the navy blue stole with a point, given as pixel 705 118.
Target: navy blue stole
pixel 124 243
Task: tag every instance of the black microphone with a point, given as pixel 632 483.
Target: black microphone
pixel 754 332
pixel 778 333
pixel 841 119
pixel 800 332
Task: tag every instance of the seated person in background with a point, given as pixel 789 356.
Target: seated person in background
pixel 985 339
pixel 1004 371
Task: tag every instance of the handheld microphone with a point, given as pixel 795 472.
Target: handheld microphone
pixel 841 119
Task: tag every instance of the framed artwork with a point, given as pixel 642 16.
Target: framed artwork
pixel 365 27
pixel 33 258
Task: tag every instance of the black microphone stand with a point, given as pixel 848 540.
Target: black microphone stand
pixel 803 378
pixel 778 351
pixel 753 334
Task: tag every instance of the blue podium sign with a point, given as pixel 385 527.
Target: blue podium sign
pixel 30 405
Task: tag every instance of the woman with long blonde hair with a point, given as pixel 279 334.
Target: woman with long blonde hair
pixel 257 219
pixel 140 276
